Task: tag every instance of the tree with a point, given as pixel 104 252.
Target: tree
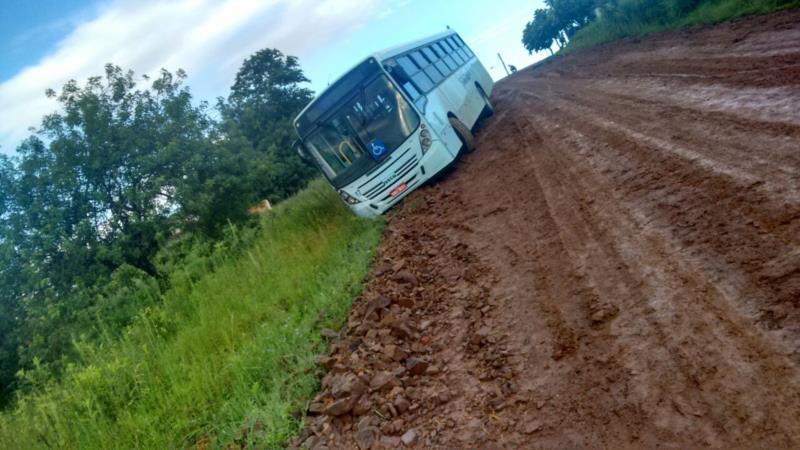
pixel 98 190
pixel 264 100
pixel 9 280
pixel 540 33
pixel 570 15
pixel 110 180
pixel 558 23
pixel 9 320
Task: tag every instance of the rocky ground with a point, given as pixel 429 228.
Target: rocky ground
pixel 616 266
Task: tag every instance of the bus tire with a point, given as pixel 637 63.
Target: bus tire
pixel 464 135
pixel 488 108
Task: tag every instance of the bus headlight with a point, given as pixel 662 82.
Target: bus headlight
pixel 425 140
pixel 347 198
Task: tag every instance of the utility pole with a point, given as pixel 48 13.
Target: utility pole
pixel 504 64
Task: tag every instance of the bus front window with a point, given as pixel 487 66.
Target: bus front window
pixel 377 112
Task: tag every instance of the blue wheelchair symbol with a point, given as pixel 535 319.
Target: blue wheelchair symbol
pixel 376 148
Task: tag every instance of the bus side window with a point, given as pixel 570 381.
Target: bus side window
pixel 435 61
pixel 463 46
pixel 434 74
pixel 429 54
pixel 420 79
pixel 457 48
pixel 453 43
pixel 397 72
pixel 451 64
pixel 452 52
pixel 402 77
pixel 419 59
pixel 440 64
pixel 447 43
pixel 411 91
pixel 407 65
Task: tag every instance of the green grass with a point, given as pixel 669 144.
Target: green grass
pixel 641 17
pixel 226 358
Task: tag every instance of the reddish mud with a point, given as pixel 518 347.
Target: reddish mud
pixel 616 266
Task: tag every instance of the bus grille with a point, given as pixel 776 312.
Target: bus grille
pixel 389 176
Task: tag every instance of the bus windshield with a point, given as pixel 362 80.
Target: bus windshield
pixel 375 115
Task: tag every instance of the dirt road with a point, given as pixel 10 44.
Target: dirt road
pixel 617 266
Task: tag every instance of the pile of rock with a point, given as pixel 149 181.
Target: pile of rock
pixel 417 362
pixel 376 373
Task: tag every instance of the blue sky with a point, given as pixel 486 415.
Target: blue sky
pixel 44 43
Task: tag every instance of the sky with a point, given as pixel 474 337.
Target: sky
pixel 44 43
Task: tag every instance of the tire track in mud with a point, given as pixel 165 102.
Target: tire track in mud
pixel 680 293
pixel 738 161
pixel 754 223
pixel 617 266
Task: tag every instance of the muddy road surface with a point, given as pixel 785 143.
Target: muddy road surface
pixel 616 266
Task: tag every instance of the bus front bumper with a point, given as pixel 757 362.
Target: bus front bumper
pixel 434 160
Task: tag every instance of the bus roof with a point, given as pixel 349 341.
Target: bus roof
pixel 394 51
pixel 379 56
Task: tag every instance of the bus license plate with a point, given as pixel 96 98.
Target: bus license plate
pixel 402 187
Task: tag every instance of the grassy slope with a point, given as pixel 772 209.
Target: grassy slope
pixel 227 358
pixel 708 12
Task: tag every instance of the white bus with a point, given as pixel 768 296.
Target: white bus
pixel 395 120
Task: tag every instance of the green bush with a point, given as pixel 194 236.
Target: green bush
pixel 226 356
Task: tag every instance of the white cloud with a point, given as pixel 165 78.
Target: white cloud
pixel 207 38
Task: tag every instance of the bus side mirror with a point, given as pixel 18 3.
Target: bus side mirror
pixel 422 103
pixel 300 148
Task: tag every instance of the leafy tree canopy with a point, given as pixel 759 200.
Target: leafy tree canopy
pixel 561 19
pixel 267 95
pixel 128 165
pixel 556 23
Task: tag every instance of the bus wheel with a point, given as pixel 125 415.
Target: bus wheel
pixel 464 135
pixel 488 109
